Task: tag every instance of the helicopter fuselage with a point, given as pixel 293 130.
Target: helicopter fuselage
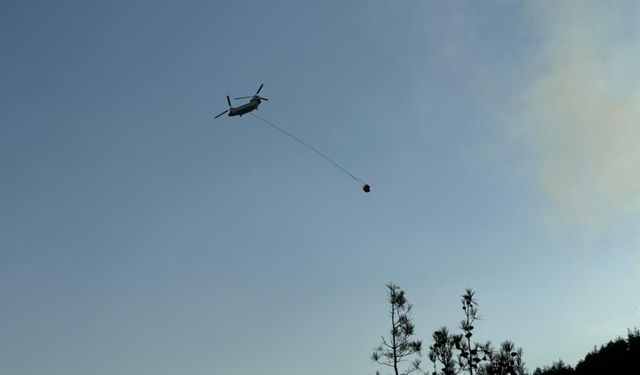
pixel 253 104
pixel 245 108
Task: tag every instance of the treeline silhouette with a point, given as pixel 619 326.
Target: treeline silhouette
pixel 450 353
pixel 455 353
pixel 619 356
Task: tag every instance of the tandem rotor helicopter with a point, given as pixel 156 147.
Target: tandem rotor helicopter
pixel 253 104
pixel 245 108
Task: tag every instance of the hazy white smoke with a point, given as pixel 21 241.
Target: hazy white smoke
pixel 583 109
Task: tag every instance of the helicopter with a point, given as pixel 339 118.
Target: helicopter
pixel 245 108
pixel 253 104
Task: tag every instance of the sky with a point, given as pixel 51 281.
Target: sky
pixel 138 235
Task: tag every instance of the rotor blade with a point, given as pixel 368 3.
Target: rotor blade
pixel 263 98
pixel 222 113
pixel 228 101
pixel 243 97
pixel 260 88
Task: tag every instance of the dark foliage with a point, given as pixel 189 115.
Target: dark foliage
pixel 398 347
pixel 618 356
pixel 506 360
pixel 452 354
pixel 557 368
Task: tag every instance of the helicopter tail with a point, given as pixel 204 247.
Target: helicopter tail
pixel 227 110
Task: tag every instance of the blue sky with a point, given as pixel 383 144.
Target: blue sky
pixel 140 235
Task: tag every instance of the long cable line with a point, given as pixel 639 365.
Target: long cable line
pixel 366 186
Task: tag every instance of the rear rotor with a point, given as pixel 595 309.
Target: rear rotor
pixel 227 110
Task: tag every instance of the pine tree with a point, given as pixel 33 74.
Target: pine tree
pixel 399 346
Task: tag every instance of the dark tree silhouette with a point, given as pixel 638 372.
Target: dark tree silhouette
pixel 398 347
pixel 480 359
pixel 468 356
pixel 618 356
pixel 442 351
pixel 633 343
pixel 556 368
pixel 506 360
